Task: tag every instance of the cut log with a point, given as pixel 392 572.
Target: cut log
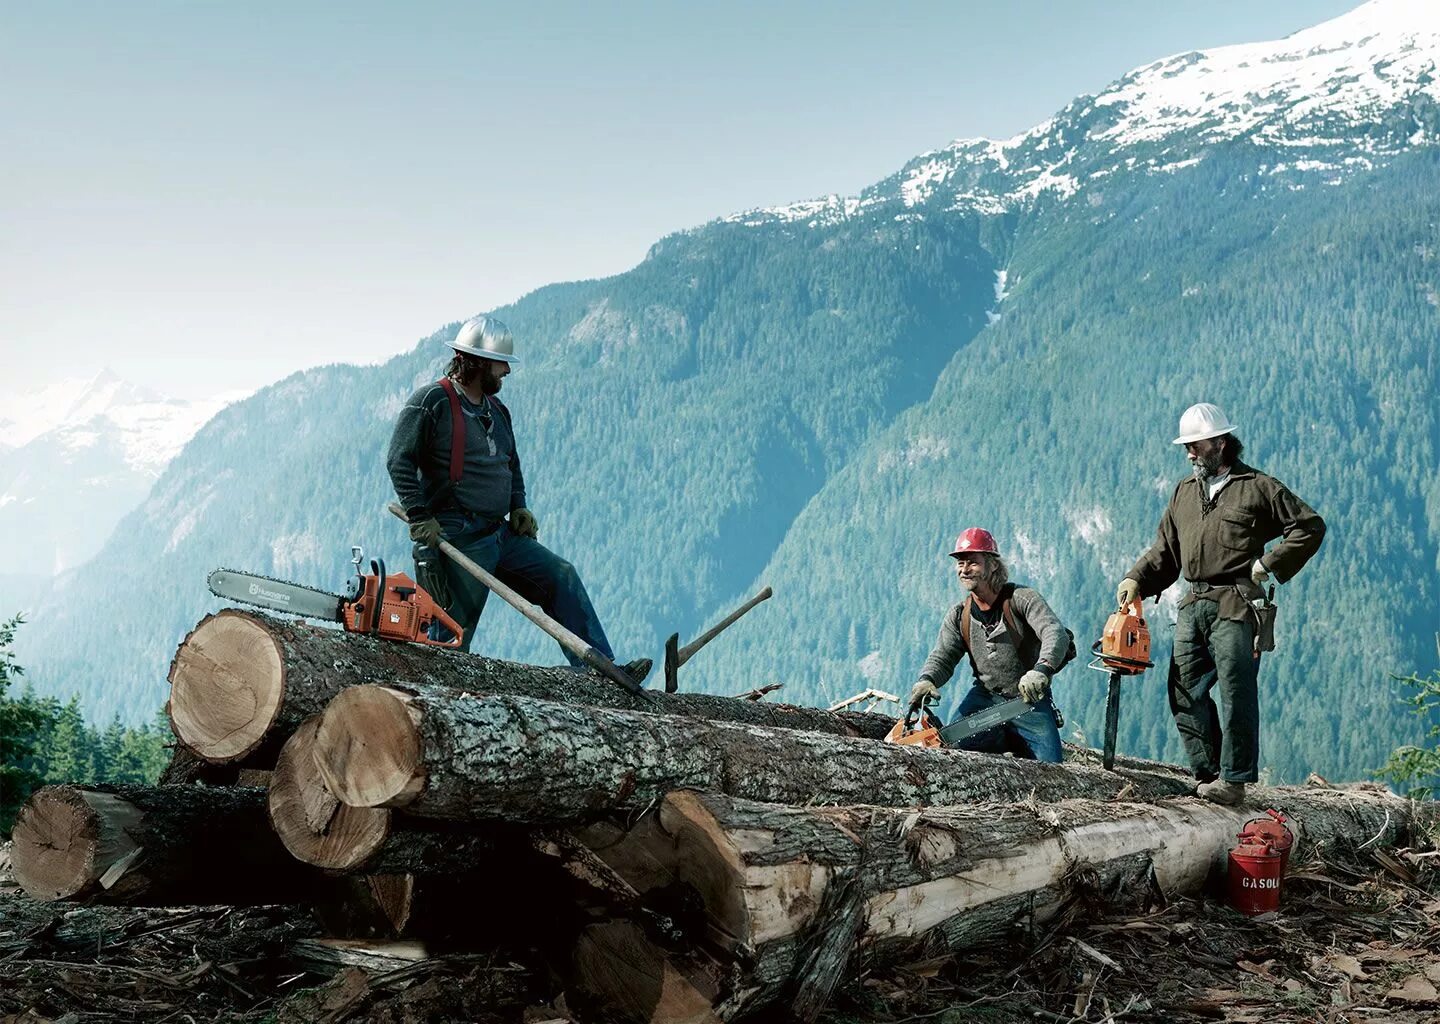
pixel 792 895
pixel 241 682
pixel 467 757
pixel 152 846
pixel 320 830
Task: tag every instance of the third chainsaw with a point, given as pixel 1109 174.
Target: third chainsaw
pixel 1122 650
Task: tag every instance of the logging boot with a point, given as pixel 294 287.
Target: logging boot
pixel 638 669
pixel 1222 791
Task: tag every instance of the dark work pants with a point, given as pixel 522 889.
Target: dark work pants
pixel 528 567
pixel 1211 653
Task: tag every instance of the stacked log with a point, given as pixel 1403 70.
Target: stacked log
pixel 686 857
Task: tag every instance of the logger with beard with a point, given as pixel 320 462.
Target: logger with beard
pixel 455 468
pixel 1014 642
pixel 1214 532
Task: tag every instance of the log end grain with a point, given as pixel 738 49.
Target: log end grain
pixel 66 838
pixel 368 748
pixel 227 683
pixel 314 826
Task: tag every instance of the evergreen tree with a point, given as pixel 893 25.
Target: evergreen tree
pixel 20 723
pixel 68 753
pixel 1411 763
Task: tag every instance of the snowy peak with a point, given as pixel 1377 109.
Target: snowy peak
pixel 1347 72
pixel 74 413
pixel 1323 102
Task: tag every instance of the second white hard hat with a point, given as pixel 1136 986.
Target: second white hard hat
pixel 1202 422
pixel 486 337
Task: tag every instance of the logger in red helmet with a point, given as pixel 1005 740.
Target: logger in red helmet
pixel 1015 643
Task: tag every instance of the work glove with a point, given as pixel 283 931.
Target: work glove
pixel 1127 593
pixel 430 573
pixel 923 692
pixel 1258 573
pixel 1034 686
pixel 426 532
pixel 523 523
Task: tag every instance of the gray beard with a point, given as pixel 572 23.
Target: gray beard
pixel 1205 468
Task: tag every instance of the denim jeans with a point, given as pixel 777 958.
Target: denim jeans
pixel 1211 654
pixel 1033 735
pixel 525 565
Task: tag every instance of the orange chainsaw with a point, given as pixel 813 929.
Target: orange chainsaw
pixel 391 606
pixel 1122 650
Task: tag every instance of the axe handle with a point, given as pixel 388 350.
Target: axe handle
pixel 566 639
pixel 688 651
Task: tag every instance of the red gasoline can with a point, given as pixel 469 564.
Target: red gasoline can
pixel 1273 830
pixel 1254 876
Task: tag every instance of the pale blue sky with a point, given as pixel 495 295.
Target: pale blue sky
pixel 209 196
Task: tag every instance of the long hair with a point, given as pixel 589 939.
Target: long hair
pixel 1234 448
pixel 463 368
pixel 996 575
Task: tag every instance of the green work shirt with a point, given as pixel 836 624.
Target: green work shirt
pixel 1221 546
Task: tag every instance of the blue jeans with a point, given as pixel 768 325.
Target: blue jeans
pixel 1032 735
pixel 525 565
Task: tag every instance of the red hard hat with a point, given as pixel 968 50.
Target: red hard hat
pixel 973 540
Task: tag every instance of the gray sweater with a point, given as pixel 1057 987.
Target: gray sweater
pixel 998 664
pixel 419 460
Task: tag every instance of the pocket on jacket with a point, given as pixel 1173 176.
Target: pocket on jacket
pixel 1237 530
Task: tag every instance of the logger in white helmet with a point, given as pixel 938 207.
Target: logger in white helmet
pixel 455 468
pixel 1214 532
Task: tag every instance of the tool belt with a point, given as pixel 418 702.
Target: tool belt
pixel 1260 606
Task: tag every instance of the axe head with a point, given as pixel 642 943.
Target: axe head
pixel 672 663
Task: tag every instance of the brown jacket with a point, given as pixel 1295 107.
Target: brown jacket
pixel 1251 510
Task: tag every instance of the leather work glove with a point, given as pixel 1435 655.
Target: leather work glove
pixel 1127 593
pixel 523 523
pixel 1258 573
pixel 922 693
pixel 427 532
pixel 1034 686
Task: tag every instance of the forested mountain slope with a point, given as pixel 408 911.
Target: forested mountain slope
pixel 1309 315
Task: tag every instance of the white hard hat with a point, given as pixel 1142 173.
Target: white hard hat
pixel 486 337
pixel 1202 422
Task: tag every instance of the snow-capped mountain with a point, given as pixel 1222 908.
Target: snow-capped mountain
pixel 1337 97
pixel 78 455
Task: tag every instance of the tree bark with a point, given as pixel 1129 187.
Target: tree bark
pixel 242 681
pixel 468 757
pixel 794 895
pixel 321 831
pixel 152 846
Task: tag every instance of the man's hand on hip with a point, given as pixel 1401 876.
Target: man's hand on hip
pixel 923 692
pixel 1258 573
pixel 523 523
pixel 1127 593
pixel 1034 686
pixel 427 532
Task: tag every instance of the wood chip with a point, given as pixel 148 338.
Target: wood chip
pixel 1347 965
pixel 1415 989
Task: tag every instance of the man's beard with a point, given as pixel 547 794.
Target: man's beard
pixel 489 382
pixel 1206 466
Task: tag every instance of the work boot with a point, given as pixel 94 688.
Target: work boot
pixel 1222 791
pixel 638 669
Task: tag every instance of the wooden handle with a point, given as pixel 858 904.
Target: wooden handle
pixel 688 651
pixel 559 633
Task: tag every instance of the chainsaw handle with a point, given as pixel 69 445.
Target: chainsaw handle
pixel 457 635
